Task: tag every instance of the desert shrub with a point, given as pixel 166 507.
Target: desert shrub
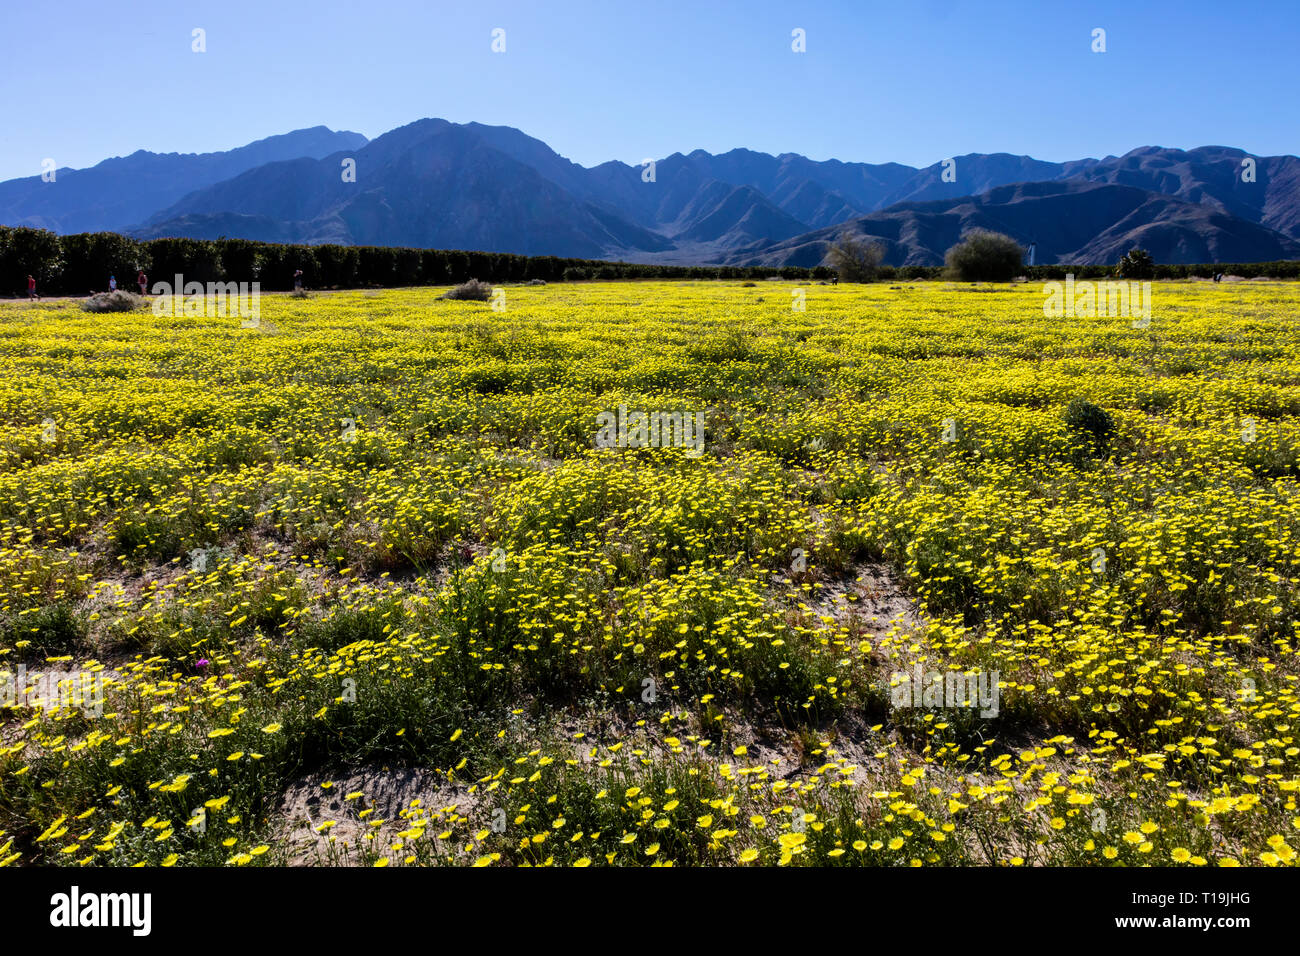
pixel 1137 264
pixel 855 259
pixel 984 256
pixel 1090 424
pixel 536 282
pixel 51 629
pixel 117 301
pixel 300 294
pixel 473 290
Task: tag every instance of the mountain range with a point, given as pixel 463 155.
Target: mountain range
pixel 437 184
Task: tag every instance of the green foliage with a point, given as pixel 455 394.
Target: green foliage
pixel 984 256
pixel 242 260
pixel 34 252
pixel 855 259
pixel 1137 264
pixel 91 257
pixel 77 264
pixel 198 260
pixel 1091 424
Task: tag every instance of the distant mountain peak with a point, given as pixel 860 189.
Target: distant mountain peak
pixel 435 183
pixel 119 192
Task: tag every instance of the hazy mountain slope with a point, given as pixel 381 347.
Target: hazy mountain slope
pixel 430 184
pixel 972 174
pixel 1071 221
pixel 118 193
pixel 1212 176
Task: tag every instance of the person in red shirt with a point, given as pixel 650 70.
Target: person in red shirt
pixel 142 280
pixel 31 288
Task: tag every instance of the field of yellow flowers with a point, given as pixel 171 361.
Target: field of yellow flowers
pixel 375 537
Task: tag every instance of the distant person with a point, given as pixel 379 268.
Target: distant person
pixel 142 281
pixel 297 280
pixel 112 283
pixel 31 288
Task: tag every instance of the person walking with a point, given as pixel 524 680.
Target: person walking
pixel 297 280
pixel 142 281
pixel 31 288
pixel 112 283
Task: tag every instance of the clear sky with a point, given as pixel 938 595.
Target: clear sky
pixel 912 82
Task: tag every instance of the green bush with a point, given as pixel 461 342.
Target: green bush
pixel 984 256
pixel 1137 264
pixel 1091 425
pixel 918 272
pixel 855 259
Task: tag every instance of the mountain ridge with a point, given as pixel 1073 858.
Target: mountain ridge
pixel 122 191
pixel 437 184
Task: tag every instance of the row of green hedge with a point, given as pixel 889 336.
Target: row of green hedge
pixel 80 264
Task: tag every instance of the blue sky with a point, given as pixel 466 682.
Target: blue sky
pixel 911 82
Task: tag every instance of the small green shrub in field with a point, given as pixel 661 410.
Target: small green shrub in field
pixel 854 259
pixel 1091 424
